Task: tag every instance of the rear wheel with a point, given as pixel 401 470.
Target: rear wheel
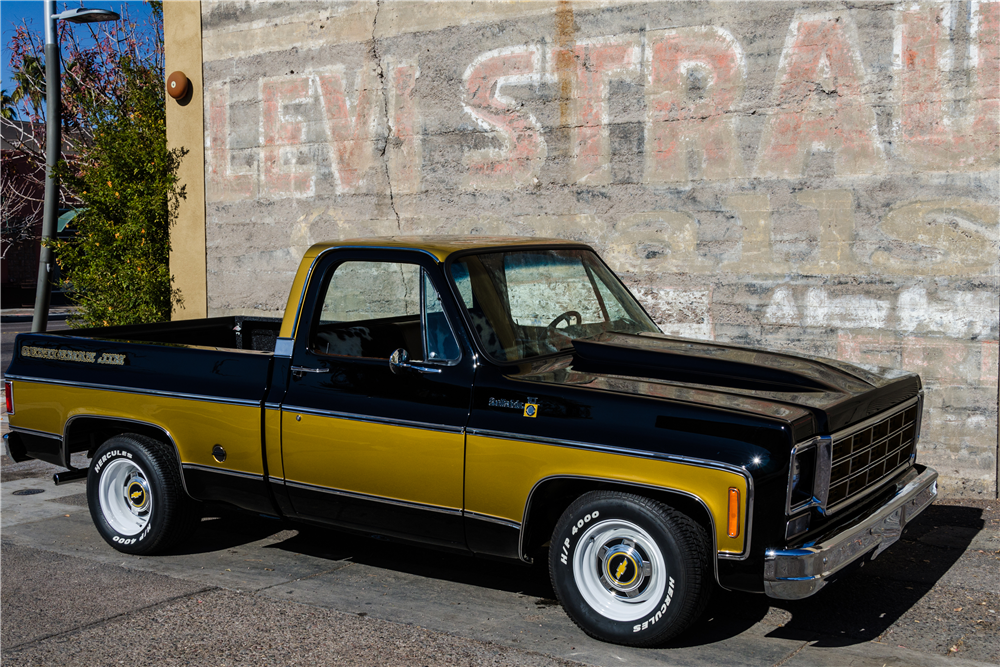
pixel 628 569
pixel 136 497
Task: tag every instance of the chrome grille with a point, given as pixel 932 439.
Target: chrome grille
pixel 863 458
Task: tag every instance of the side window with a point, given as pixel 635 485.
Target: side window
pixel 438 336
pixel 370 309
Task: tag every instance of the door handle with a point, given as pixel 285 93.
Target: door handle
pixel 299 371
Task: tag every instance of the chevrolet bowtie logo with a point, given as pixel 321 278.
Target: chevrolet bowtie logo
pixel 137 494
pixel 621 570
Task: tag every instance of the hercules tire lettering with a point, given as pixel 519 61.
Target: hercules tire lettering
pixel 169 513
pixel 644 609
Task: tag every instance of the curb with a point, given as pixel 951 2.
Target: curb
pixel 6 318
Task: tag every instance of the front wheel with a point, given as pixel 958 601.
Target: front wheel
pixel 136 497
pixel 628 569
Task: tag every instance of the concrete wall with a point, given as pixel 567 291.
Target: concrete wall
pixel 818 177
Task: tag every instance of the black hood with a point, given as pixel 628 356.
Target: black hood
pixel 773 384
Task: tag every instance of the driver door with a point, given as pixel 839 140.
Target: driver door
pixel 365 444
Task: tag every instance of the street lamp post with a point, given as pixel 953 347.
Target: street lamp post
pixel 53 146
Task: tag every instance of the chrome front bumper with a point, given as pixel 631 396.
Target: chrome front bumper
pixel 792 574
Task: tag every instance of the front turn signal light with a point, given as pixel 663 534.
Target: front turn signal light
pixel 733 525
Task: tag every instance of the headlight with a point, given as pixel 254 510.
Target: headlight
pixel 803 468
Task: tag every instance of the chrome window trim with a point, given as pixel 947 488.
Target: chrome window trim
pixel 442 363
pixel 222 471
pixel 824 460
pixel 283 347
pixel 141 392
pixel 312 267
pixel 371 498
pixel 492 519
pixel 370 419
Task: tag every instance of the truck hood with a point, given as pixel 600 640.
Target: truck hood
pixel 771 384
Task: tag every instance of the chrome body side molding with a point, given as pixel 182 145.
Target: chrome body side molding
pixel 140 392
pixel 377 499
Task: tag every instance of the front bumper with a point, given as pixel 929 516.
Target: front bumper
pixel 792 574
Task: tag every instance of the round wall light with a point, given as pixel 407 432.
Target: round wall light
pixel 177 85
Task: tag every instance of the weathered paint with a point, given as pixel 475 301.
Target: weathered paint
pixel 522 148
pixel 695 78
pixel 821 102
pixel 775 174
pixel 932 135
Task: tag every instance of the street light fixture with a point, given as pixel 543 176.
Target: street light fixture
pixel 84 15
pixel 53 146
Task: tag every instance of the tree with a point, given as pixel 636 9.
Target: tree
pixel 114 133
pixel 116 266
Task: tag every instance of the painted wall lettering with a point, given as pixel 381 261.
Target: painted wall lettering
pixel 405 150
pixel 943 237
pixel 522 149
pixel 226 180
pixel 756 246
pixel 595 63
pixel 694 78
pixel 657 242
pixel 770 173
pixel 820 102
pixel 931 135
pixel 287 104
pixel 351 124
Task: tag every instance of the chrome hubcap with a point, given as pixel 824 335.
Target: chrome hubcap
pixel 623 568
pixel 126 499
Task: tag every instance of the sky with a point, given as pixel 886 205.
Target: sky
pixel 32 12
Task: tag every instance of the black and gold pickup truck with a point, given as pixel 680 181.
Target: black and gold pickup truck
pixel 501 396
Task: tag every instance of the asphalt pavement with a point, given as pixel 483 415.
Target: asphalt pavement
pixel 245 590
pixel 250 591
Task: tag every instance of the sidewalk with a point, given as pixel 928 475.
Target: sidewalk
pixel 256 591
pixel 25 314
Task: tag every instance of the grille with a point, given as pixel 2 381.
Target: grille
pixel 863 458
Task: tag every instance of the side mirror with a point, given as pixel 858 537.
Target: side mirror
pixel 399 361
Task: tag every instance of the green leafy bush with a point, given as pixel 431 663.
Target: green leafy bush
pixel 116 267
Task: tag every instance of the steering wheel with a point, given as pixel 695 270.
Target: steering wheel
pixel 566 316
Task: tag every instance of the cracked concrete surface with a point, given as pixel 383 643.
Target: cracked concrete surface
pixel 772 173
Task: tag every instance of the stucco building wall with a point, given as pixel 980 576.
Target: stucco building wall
pixel 818 177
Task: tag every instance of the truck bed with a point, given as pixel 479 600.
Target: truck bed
pixel 202 381
pixel 234 332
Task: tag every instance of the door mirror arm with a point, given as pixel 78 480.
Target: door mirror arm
pixel 399 362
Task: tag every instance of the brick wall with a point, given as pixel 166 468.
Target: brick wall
pixel 818 177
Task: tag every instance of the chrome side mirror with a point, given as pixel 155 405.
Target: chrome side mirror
pixel 399 362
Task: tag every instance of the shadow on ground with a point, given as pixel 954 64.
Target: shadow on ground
pixel 858 607
pixel 861 604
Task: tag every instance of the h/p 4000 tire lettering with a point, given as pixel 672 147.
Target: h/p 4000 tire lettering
pixel 629 569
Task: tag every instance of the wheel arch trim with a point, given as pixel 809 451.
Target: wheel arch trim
pixel 630 485
pixel 169 438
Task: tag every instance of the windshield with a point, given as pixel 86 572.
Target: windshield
pixel 526 303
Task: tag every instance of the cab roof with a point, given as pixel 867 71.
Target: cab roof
pixel 439 246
